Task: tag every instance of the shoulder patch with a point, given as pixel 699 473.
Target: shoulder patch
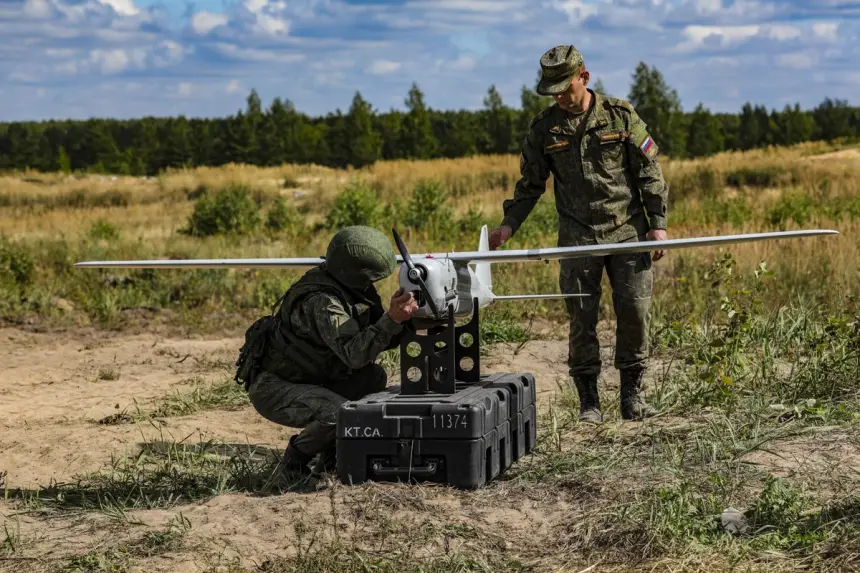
pixel 644 142
pixel 543 114
pixel 619 103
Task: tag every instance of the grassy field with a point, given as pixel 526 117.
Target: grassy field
pixel 756 364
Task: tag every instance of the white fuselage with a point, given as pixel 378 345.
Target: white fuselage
pixel 449 284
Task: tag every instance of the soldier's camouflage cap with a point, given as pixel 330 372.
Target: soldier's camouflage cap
pixel 359 256
pixel 557 68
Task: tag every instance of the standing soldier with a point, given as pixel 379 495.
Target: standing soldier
pixel 609 188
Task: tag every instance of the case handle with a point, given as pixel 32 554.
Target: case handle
pixel 420 471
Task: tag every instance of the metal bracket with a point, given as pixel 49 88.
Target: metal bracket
pixel 440 359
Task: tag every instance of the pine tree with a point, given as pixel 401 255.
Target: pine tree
pixel 417 135
pixel 832 119
pixel 659 107
pixel 498 124
pixel 791 126
pixel 599 87
pixel 364 142
pixel 705 136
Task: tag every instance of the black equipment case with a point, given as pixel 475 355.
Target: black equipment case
pixel 464 439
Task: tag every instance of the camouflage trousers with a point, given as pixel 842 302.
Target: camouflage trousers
pixel 631 280
pixel 310 406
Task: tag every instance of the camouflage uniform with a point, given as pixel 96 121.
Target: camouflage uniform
pixel 318 350
pixel 609 188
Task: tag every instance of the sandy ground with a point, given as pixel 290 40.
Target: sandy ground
pixel 56 387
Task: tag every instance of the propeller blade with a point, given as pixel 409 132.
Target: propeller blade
pixel 414 273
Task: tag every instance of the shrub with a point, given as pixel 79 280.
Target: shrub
pixel 282 217
pixel 792 207
pixel 427 206
pixel 103 230
pixel 357 204
pixel 16 263
pixel 231 210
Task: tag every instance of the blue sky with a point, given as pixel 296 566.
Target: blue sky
pixel 131 58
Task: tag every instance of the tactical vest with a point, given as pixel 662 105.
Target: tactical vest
pixel 271 345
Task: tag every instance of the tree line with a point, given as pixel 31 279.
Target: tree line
pixel 281 134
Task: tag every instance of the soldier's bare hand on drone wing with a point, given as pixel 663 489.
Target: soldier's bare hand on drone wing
pixel 499 236
pixel 402 306
pixel 657 235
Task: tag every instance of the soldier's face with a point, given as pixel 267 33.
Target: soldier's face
pixel 575 96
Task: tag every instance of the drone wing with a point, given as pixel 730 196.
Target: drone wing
pixel 507 256
pixel 204 263
pixel 513 256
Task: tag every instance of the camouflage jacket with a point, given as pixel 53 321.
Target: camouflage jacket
pixel 606 177
pixel 326 332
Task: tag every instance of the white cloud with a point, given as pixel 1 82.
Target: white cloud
pixel 68 68
pixel 381 67
pixel 122 7
pixel 577 11
pixel 111 61
pixel 18 76
pixel 232 87
pixel 729 36
pixel 185 89
pixel 799 60
pixel 826 30
pixel 697 36
pixel 256 55
pixel 464 62
pixel 255 6
pixel 38 9
pixel 708 6
pixel 466 5
pixel 118 60
pixel 272 25
pixel 780 32
pixel 59 52
pixel 204 22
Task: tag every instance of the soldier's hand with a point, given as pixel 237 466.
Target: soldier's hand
pixel 657 235
pixel 498 236
pixel 402 306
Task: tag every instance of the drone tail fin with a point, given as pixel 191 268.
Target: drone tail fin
pixel 482 270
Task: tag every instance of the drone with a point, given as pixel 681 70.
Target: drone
pixel 460 282
pixel 457 285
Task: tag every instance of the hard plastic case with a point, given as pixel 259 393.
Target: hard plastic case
pixel 464 439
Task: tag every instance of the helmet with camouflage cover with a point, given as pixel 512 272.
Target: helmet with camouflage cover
pixel 359 256
pixel 558 66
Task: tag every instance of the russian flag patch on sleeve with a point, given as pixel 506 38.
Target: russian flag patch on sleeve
pixel 646 145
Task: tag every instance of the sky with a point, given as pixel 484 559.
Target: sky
pixel 77 59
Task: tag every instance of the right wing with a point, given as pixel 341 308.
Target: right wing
pixel 547 254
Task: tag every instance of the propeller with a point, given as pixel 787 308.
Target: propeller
pixel 414 273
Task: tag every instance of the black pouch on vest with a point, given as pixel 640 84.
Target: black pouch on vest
pixel 257 339
pixel 256 342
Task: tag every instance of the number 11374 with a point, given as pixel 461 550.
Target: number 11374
pixel 449 421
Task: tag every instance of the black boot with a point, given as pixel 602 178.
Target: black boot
pixel 294 464
pixel 327 462
pixel 633 407
pixel 589 399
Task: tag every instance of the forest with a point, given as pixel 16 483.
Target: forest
pixel 279 134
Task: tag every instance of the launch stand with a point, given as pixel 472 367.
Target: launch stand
pixel 445 423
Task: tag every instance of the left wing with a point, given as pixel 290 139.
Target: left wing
pixel 204 263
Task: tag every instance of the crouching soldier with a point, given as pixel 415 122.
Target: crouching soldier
pixel 319 349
